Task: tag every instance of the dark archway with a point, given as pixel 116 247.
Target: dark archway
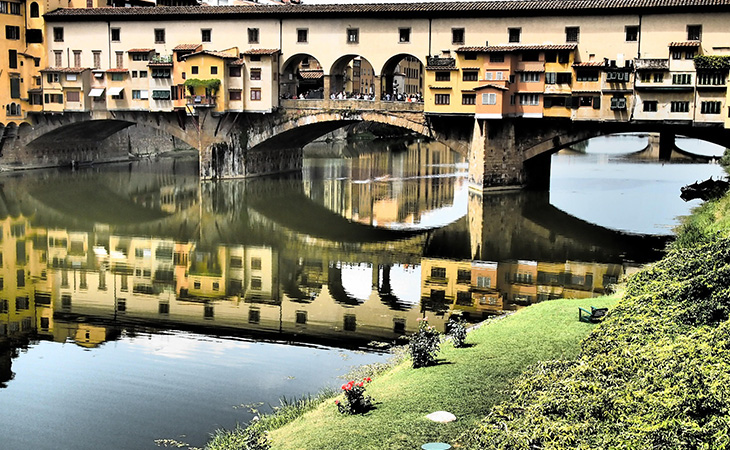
pixel 402 75
pixel 353 76
pixel 34 10
pixel 302 77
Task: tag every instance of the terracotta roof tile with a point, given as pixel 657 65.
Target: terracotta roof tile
pixel 311 74
pixel 238 62
pixel 159 64
pixel 449 68
pixel 211 53
pixel 685 44
pixel 117 70
pixel 493 86
pixel 192 47
pixel 443 9
pixel 516 48
pixel 65 69
pixel 262 51
pixel 140 50
pixel 590 64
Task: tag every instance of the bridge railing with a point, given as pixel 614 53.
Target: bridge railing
pixel 355 105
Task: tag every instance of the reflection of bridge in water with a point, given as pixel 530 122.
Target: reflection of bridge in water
pixel 164 250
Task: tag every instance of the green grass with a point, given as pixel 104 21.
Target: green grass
pixel 467 382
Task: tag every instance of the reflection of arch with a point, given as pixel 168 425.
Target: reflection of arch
pixel 34 11
pixel 412 75
pixel 353 74
pixel 386 292
pixel 337 290
pixel 301 74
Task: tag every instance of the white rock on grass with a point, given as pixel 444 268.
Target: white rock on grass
pixel 441 417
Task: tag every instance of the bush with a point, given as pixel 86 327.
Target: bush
pixel 424 344
pixel 356 402
pixel 457 330
pixel 251 438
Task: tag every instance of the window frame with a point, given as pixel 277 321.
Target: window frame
pixel 353 35
pixel 458 36
pixel 159 35
pixel 302 35
pixel 628 29
pixel 206 34
pixel 58 34
pixel 514 35
pixel 404 35
pixel 572 34
pixel 253 35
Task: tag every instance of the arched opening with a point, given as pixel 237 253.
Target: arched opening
pixel 353 77
pixel 402 78
pixel 34 10
pixel 302 77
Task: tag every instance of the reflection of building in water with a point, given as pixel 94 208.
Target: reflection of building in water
pixel 390 188
pixel 479 287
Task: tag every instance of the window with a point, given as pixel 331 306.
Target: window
pixel 530 56
pixel 457 35
pixel 256 94
pixel 682 78
pixel 618 77
pixel 208 312
pixel 301 317
pixel 77 58
pixel 255 74
pixel 194 70
pixel 116 34
pixel 136 94
pixel 253 35
pixel 162 72
pixel 645 77
pixel 353 35
pixel 496 57
pixel 659 77
pixel 632 33
pixel 694 32
pixel 120 59
pixel 529 99
pixel 514 34
pixel 234 95
pixel 442 99
pixel 679 107
pixel 15 8
pixel 159 35
pixel 214 70
pixel 586 75
pixel 14 93
pixel 57 34
pixel 484 282
pixel 161 95
pixel 97 59
pixel 710 107
pixel 529 77
pixel 470 75
pixel 468 99
pixel 205 34
pixel 443 76
pixel 13 59
pixel 52 78
pixel 489 99
pixel 303 35
pixel 572 34
pixel 234 71
pixel 404 35
pixel 711 78
pixel 119 96
pixel 12 32
pixel 33 36
pixel 255 263
pixel 140 57
pixel 143 74
pixel 676 54
pixel 73 96
pixel 117 76
pixel 617 103
pixel 34 11
pixel 350 322
pixel 163 308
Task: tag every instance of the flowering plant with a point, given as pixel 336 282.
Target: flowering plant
pixel 457 331
pixel 424 344
pixel 356 402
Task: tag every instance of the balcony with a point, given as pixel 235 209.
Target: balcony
pixel 203 101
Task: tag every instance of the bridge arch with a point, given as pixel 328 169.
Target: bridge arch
pixel 411 69
pixel 300 74
pixel 353 73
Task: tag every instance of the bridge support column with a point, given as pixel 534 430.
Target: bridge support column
pixel 666 145
pixel 496 161
pixel 327 86
pixel 229 160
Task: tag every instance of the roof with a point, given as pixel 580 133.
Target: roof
pixel 516 48
pixel 311 74
pixel 493 86
pixel 210 53
pixel 117 70
pixel 159 64
pixel 590 64
pixel 191 47
pixel 442 68
pixel 140 50
pixel 238 62
pixel 262 51
pixel 65 69
pixel 493 8
pixel 685 44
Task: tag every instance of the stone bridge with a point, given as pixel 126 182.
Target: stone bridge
pixel 504 153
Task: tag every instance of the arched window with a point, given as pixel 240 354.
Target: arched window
pixel 34 10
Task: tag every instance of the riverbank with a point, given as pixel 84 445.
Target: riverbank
pixel 467 382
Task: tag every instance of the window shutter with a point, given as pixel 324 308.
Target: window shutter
pixel 597 102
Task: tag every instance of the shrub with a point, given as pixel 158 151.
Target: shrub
pixel 424 344
pixel 457 330
pixel 251 438
pixel 356 402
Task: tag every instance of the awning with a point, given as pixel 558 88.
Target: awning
pixel 96 92
pixel 115 90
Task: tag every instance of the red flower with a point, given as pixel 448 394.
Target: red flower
pixel 359 384
pixel 367 379
pixel 337 402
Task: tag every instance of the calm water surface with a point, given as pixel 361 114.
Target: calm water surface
pixel 137 303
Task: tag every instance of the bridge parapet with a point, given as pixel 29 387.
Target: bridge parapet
pixel 351 104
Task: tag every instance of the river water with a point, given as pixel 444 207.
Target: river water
pixel 139 304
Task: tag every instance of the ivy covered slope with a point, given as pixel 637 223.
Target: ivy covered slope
pixel 654 374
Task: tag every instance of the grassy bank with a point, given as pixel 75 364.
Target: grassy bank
pixel 467 382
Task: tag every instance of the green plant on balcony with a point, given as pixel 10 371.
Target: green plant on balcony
pixel 712 62
pixel 211 86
